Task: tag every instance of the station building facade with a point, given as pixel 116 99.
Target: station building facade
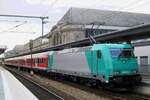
pixel 142 53
pixel 77 23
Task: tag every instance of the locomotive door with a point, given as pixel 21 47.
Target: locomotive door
pixel 100 69
pixel 96 62
pixel 98 57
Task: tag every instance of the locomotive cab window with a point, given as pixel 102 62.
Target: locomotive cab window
pixel 121 53
pixel 98 54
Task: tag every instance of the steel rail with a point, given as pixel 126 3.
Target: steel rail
pixel 113 95
pixel 42 87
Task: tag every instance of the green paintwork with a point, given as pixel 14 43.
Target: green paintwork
pixel 50 60
pixel 106 66
pixel 103 65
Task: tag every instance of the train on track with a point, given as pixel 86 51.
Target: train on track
pixel 113 65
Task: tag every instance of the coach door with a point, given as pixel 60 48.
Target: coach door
pixel 36 62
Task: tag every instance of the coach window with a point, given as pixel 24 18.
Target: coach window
pixel 33 60
pixel 43 60
pixel 38 60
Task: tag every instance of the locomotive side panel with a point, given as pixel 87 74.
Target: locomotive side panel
pixel 71 63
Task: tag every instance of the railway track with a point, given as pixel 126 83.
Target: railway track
pixel 102 92
pixel 128 95
pixel 38 90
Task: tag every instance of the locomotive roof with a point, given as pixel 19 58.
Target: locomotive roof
pixel 111 45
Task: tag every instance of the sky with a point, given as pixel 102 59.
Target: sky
pixel 17 31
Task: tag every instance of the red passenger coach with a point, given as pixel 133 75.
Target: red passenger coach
pixel 39 61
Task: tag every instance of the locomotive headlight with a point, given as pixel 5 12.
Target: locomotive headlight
pixel 117 72
pixel 135 71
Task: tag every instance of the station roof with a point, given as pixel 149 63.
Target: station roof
pixel 106 17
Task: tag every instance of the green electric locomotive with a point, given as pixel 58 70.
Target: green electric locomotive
pixel 113 65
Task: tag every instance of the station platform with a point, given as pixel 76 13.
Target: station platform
pixel 146 78
pixel 144 87
pixel 12 89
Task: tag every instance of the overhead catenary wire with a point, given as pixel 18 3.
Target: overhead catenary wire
pixel 34 17
pixel 14 21
pixel 86 10
pixel 123 8
pixel 46 12
pixel 102 3
pixel 134 2
pixel 91 38
pixel 19 32
pixel 51 5
pixel 113 14
pixel 16 26
pixel 138 4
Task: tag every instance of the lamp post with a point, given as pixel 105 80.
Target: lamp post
pixel 31 47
